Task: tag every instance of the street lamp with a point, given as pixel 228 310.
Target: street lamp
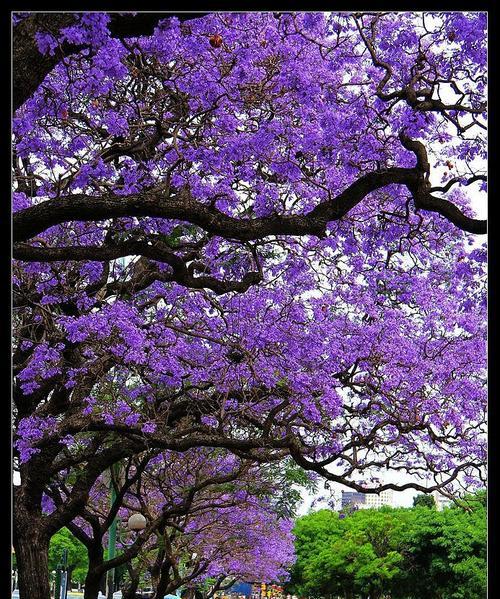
pixel 14 570
pixel 136 522
pixel 61 588
pixel 115 472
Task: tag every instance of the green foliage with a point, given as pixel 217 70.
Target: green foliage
pixel 399 553
pixel 173 240
pixel 424 500
pixel 449 549
pixel 77 554
pixel 292 481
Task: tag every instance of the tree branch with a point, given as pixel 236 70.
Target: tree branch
pixel 182 206
pixel 180 272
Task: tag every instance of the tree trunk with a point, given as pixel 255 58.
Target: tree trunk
pixel 32 555
pixel 129 591
pixel 162 585
pixel 70 574
pixel 31 544
pixel 94 574
pixel 155 569
pixel 92 586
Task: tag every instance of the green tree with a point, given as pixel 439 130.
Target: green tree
pixel 403 553
pixel 77 554
pixel 446 556
pixel 424 500
pixel 464 541
pixel 359 555
pixel 313 535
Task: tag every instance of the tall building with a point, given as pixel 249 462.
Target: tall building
pixel 379 499
pixel 353 499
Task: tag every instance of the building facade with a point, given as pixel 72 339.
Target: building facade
pixel 355 500
pixel 352 500
pixel 375 500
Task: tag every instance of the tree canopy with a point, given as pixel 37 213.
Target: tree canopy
pixel 255 232
pixel 424 500
pixel 231 514
pixel 77 560
pixel 392 552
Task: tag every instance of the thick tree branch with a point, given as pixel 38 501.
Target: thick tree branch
pixel 455 180
pixel 449 211
pixel 180 271
pixel 182 206
pixel 29 65
pixel 123 25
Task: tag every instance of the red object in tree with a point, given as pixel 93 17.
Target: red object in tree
pixel 216 41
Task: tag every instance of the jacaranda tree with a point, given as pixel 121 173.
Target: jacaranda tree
pixel 251 232
pixel 203 501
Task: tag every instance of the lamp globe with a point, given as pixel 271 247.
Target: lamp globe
pixel 136 522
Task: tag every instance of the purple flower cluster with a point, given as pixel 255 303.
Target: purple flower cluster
pixel 371 331
pixel 29 431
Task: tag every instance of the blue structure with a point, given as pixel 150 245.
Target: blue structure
pixel 241 588
pixel 352 498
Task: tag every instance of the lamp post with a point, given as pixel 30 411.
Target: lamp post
pixel 57 582
pixel 112 536
pixel 61 581
pixel 135 523
pixel 14 569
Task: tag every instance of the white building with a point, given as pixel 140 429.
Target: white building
pixel 367 500
pixel 374 500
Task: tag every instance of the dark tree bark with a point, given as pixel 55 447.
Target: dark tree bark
pixel 94 573
pixel 30 532
pixel 162 585
pixel 156 568
pixel 31 544
pixel 29 66
pixel 130 589
pixel 183 206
